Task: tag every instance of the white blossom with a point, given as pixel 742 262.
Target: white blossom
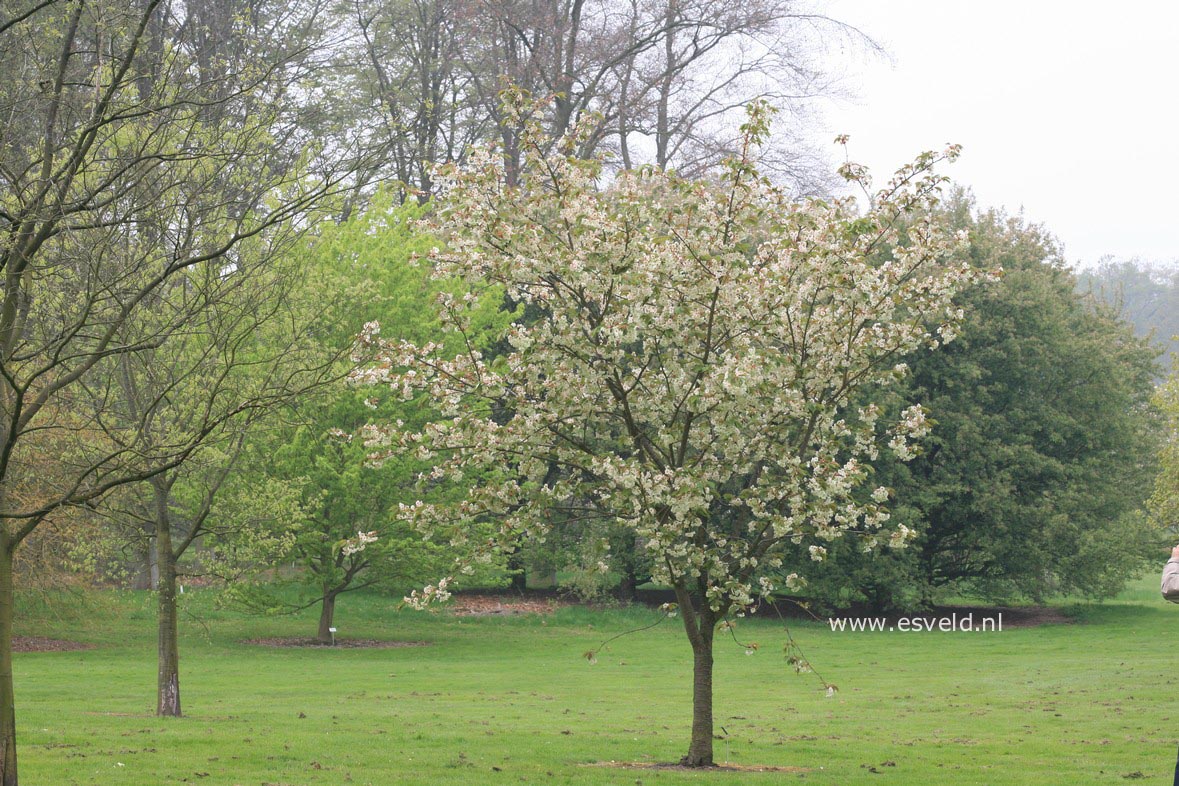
pixel 694 371
pixel 357 544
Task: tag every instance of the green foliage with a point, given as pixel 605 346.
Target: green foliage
pixel 256 518
pixel 1164 503
pixel 345 535
pixel 1041 457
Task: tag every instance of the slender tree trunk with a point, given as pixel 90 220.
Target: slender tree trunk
pixel 327 612
pixel 662 117
pixel 701 628
pixel 700 748
pixel 145 563
pixel 627 585
pixel 168 682
pixel 624 93
pixel 7 697
pixel 519 577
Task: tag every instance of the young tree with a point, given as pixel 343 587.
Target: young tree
pixel 246 356
pixel 141 144
pixel 346 536
pixel 693 374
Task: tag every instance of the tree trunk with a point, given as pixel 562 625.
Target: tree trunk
pixel 168 682
pixel 145 564
pixel 519 573
pixel 628 585
pixel 327 612
pixel 7 697
pixel 662 117
pixel 700 749
pixel 701 628
pixel 631 563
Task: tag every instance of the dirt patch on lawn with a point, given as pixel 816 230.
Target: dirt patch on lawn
pixel 473 605
pixel 340 643
pixel 723 767
pixel 546 601
pixel 40 644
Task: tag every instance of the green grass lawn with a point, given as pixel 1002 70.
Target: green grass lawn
pixel 511 700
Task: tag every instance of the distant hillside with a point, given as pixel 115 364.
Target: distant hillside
pixel 1146 295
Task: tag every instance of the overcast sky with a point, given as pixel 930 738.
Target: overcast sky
pixel 1068 110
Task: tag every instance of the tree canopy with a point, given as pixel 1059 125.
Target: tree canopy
pixel 1033 480
pixel 693 375
pixel 148 151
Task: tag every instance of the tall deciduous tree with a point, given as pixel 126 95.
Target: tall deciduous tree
pixel 657 82
pixel 693 373
pixel 142 145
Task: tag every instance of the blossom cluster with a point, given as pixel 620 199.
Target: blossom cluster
pixel 703 370
pixel 357 544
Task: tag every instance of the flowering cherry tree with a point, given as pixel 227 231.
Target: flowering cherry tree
pixel 699 371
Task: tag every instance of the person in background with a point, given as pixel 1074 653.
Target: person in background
pixel 1170 590
pixel 1171 577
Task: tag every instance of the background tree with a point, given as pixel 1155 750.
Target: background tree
pixel 405 82
pixel 62 552
pixel 655 82
pixel 246 356
pixel 675 103
pixel 1146 296
pixel 347 536
pixel 676 315
pixel 139 146
pixel 1034 479
pixel 1164 504
pixel 591 556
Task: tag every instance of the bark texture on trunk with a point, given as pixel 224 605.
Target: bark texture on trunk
pixel 168 680
pixel 700 627
pixel 700 748
pixel 7 697
pixel 327 613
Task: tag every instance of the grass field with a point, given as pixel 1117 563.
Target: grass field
pixel 508 700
